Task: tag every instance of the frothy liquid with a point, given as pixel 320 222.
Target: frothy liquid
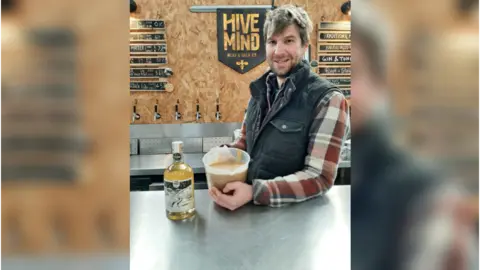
pixel 227 166
pixel 221 174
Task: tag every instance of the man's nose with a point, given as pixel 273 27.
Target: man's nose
pixel 280 48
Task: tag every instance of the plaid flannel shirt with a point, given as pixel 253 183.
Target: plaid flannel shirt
pixel 327 134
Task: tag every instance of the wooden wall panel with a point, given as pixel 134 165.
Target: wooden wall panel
pixel 34 211
pixel 192 55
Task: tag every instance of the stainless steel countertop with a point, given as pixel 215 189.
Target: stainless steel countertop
pixel 311 235
pixel 155 164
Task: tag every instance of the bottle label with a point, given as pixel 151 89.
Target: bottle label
pixel 179 195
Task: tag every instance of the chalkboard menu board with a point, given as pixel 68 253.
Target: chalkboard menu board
pixel 148 73
pixel 334 70
pixel 343 36
pixel 148 51
pixel 334 53
pixel 147 24
pixel 150 48
pixel 334 59
pixel 147 37
pixel 340 81
pixel 144 61
pixel 329 47
pixel 148 86
pixel 341 25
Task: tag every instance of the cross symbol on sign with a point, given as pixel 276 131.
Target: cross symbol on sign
pixel 242 64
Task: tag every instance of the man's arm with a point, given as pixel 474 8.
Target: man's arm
pixel 327 135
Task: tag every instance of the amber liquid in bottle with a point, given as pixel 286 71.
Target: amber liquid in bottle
pixel 179 186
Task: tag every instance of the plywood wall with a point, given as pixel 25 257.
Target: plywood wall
pixel 192 55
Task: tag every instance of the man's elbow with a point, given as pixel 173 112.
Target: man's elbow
pixel 324 184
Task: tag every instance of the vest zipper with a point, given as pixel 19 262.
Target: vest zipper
pixel 268 118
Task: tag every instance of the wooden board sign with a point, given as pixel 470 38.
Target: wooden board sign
pixel 334 47
pixel 334 25
pixel 147 24
pixel 240 45
pixel 334 35
pixel 147 61
pixel 334 70
pixel 340 81
pixel 148 86
pixel 148 48
pixel 148 73
pixel 147 37
pixel 334 59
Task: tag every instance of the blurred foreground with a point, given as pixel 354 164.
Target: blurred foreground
pixel 65 175
pixel 415 137
pixel 65 165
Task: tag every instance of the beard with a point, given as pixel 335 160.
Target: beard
pixel 283 71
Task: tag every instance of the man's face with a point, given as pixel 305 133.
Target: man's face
pixel 285 50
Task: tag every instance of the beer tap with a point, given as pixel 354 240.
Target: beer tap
pixel 135 115
pixel 156 115
pixel 198 115
pixel 178 115
pixel 218 115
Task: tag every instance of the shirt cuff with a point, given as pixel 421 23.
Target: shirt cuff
pixel 261 192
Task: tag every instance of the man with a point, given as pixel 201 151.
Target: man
pixel 404 215
pixel 295 125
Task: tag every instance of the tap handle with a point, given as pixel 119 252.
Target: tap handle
pixel 168 72
pixel 156 108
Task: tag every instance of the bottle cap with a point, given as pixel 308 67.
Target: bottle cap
pixel 177 147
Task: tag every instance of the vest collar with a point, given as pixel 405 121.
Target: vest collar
pixel 297 79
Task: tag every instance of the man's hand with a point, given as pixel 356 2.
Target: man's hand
pixel 242 193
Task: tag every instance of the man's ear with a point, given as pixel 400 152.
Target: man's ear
pixel 305 48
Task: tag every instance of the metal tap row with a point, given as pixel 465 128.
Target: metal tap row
pixel 177 115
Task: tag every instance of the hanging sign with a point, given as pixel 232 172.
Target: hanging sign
pixel 241 46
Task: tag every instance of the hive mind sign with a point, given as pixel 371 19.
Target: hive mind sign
pixel 240 38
